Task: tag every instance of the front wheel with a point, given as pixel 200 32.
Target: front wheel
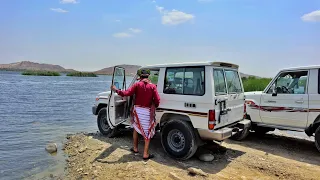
pixel 178 139
pixel 317 138
pixel 103 125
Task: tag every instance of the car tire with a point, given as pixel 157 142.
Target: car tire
pixel 260 131
pixel 241 135
pixel 179 139
pixel 103 125
pixel 317 138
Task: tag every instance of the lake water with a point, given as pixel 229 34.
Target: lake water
pixel 37 110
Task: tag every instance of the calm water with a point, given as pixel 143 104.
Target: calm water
pixel 37 110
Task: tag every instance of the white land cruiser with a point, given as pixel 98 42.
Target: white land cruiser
pixel 291 101
pixel 200 102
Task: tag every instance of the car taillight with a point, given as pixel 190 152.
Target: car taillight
pixel 97 98
pixel 211 119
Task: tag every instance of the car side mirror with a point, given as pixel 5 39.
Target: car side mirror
pixel 274 90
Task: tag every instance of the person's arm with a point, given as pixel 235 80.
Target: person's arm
pixel 128 92
pixel 156 97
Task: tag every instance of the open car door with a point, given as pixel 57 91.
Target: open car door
pixel 117 106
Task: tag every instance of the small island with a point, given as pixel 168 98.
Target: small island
pixel 82 74
pixel 40 73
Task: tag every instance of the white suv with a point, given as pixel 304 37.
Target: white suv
pixel 291 101
pixel 199 102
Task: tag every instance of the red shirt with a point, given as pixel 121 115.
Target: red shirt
pixel 146 93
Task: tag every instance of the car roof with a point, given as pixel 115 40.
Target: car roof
pixel 189 64
pixel 301 68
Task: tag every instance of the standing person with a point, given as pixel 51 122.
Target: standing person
pixel 147 100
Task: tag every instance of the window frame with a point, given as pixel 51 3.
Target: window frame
pixel 226 82
pixel 224 79
pixel 184 70
pixel 282 72
pixel 318 81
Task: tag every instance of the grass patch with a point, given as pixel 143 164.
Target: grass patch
pixel 82 74
pixel 40 73
pixel 255 84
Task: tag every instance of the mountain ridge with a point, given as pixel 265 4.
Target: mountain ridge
pixel 28 65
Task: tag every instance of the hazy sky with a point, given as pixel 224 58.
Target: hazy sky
pixel 261 36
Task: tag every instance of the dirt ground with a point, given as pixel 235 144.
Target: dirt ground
pixel 92 156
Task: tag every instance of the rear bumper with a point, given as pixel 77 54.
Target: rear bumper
pixel 223 133
pixel 94 110
pixel 218 135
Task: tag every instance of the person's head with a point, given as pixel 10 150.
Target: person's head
pixel 144 74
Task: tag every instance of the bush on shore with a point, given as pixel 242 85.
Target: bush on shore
pixel 40 73
pixel 255 84
pixel 82 74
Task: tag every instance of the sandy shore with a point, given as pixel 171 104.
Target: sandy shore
pixel 92 156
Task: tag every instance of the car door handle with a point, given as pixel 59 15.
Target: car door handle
pixel 269 101
pixel 299 101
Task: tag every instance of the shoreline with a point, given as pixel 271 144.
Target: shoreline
pixel 93 156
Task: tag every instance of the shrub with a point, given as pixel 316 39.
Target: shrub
pixel 82 74
pixel 40 73
pixel 255 84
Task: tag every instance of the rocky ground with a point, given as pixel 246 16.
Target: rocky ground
pixel 92 156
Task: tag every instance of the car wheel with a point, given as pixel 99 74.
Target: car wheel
pixel 178 139
pixel 103 125
pixel 317 138
pixel 241 135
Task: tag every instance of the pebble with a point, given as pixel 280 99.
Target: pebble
pixel 81 150
pixel 195 171
pixel 206 157
pixel 80 169
pixel 174 176
pixel 51 148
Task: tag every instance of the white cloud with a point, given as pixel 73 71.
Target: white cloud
pixel 135 30
pixel 160 9
pixel 68 1
pixel 117 20
pixel 121 35
pixel 59 10
pixel 204 1
pixel 174 16
pixel 312 17
pixel 154 2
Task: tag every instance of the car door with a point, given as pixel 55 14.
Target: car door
pixel 117 106
pixel 235 102
pixel 285 103
pixel 221 96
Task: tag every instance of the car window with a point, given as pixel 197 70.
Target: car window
pixel 184 81
pixel 290 83
pixel 233 81
pixel 219 82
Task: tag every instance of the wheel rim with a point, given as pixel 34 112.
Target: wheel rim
pixel 176 140
pixel 104 123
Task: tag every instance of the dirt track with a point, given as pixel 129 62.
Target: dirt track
pixel 92 156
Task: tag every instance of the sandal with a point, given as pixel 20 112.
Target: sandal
pixel 149 157
pixel 132 150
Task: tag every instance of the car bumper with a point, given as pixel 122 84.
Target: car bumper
pixel 94 110
pixel 224 133
pixel 217 135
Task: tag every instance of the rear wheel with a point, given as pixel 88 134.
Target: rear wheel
pixel 178 139
pixel 103 125
pixel 241 135
pixel 317 138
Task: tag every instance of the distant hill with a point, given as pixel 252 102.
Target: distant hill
pixel 130 70
pixel 27 65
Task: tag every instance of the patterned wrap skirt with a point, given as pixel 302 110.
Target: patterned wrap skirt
pixel 144 121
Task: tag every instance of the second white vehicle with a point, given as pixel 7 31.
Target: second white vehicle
pixel 291 101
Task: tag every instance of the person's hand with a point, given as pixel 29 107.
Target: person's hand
pixel 113 88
